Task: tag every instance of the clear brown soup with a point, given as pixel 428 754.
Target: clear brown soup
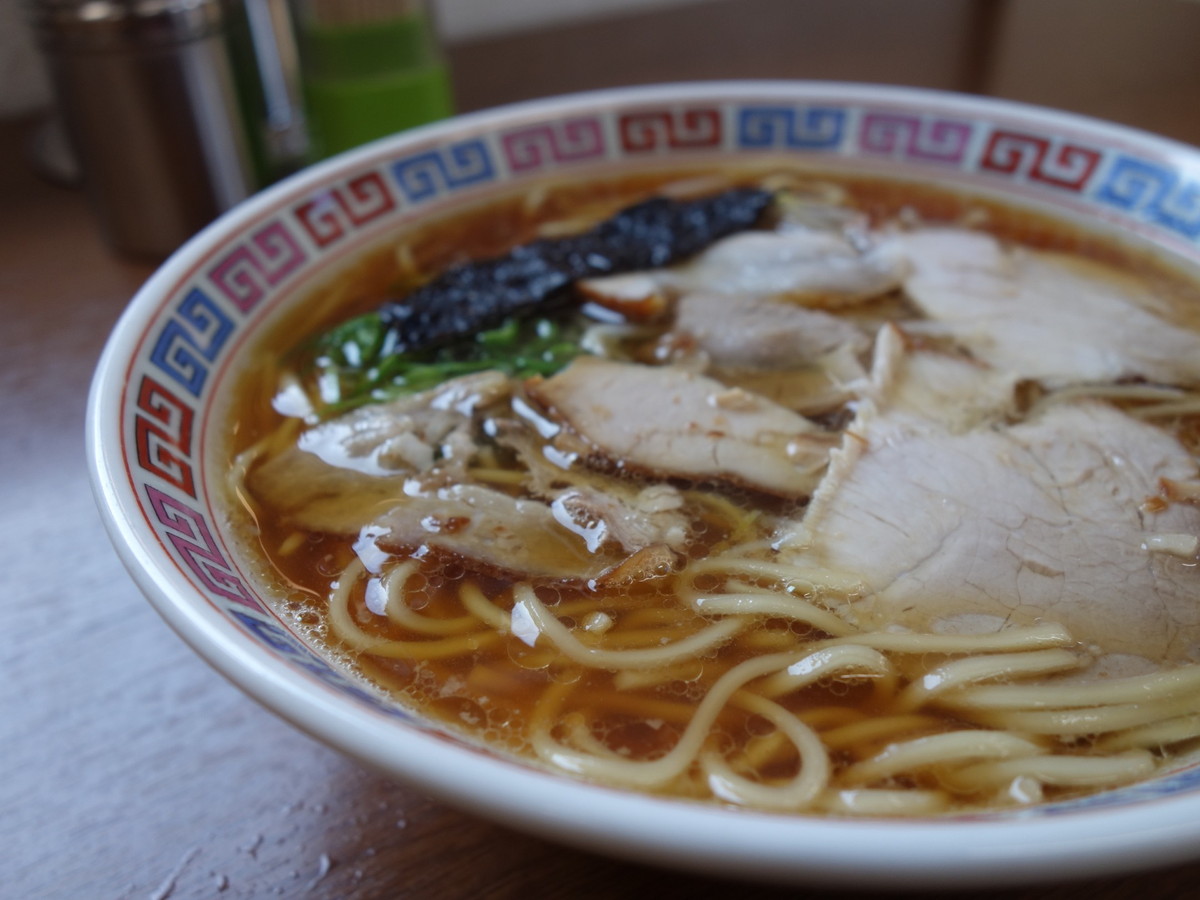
pixel 495 688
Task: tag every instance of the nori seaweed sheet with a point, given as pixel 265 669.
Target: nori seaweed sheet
pixel 475 296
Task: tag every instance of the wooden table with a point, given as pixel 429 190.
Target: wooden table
pixel 129 768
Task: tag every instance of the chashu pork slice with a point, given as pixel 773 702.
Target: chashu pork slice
pixel 340 474
pixel 1047 316
pixel 805 359
pixel 397 476
pixel 760 332
pixel 809 266
pixel 491 528
pixel 676 423
pixel 607 511
pixel 965 523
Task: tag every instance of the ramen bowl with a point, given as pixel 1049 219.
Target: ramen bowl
pixel 157 439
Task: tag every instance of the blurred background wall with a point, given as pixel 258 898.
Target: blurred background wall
pixel 1135 61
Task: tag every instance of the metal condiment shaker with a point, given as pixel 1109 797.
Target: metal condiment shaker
pixel 148 92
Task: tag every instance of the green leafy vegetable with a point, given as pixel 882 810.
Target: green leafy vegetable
pixel 353 364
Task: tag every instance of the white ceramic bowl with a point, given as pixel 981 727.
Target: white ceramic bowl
pixel 153 433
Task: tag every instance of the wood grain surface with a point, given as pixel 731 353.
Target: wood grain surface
pixel 128 768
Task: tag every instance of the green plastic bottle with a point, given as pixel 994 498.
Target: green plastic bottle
pixel 369 68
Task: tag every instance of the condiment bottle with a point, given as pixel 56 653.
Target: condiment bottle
pixel 368 68
pixel 148 94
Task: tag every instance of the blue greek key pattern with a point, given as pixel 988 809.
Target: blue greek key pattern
pixel 442 171
pixel 190 341
pixel 1167 786
pixel 290 648
pixel 791 128
pixel 1153 192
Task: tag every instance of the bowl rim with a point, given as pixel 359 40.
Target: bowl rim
pixel 688 835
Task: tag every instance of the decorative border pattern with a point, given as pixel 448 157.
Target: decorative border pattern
pixel 1044 159
pixel 330 215
pixel 812 128
pixel 173 378
pixel 919 138
pixel 1156 192
pixel 163 435
pixel 283 642
pixel 665 130
pixel 427 176
pixel 248 272
pixel 188 531
pixel 553 144
pixel 1180 782
pixel 190 339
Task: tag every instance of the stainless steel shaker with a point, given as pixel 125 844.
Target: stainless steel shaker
pixel 148 93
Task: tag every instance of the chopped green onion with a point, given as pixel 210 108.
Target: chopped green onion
pixel 351 366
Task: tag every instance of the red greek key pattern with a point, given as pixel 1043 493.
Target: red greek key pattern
pixel 188 532
pixel 645 132
pixel 332 214
pixel 162 427
pixel 1040 159
pixel 571 140
pixel 245 274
